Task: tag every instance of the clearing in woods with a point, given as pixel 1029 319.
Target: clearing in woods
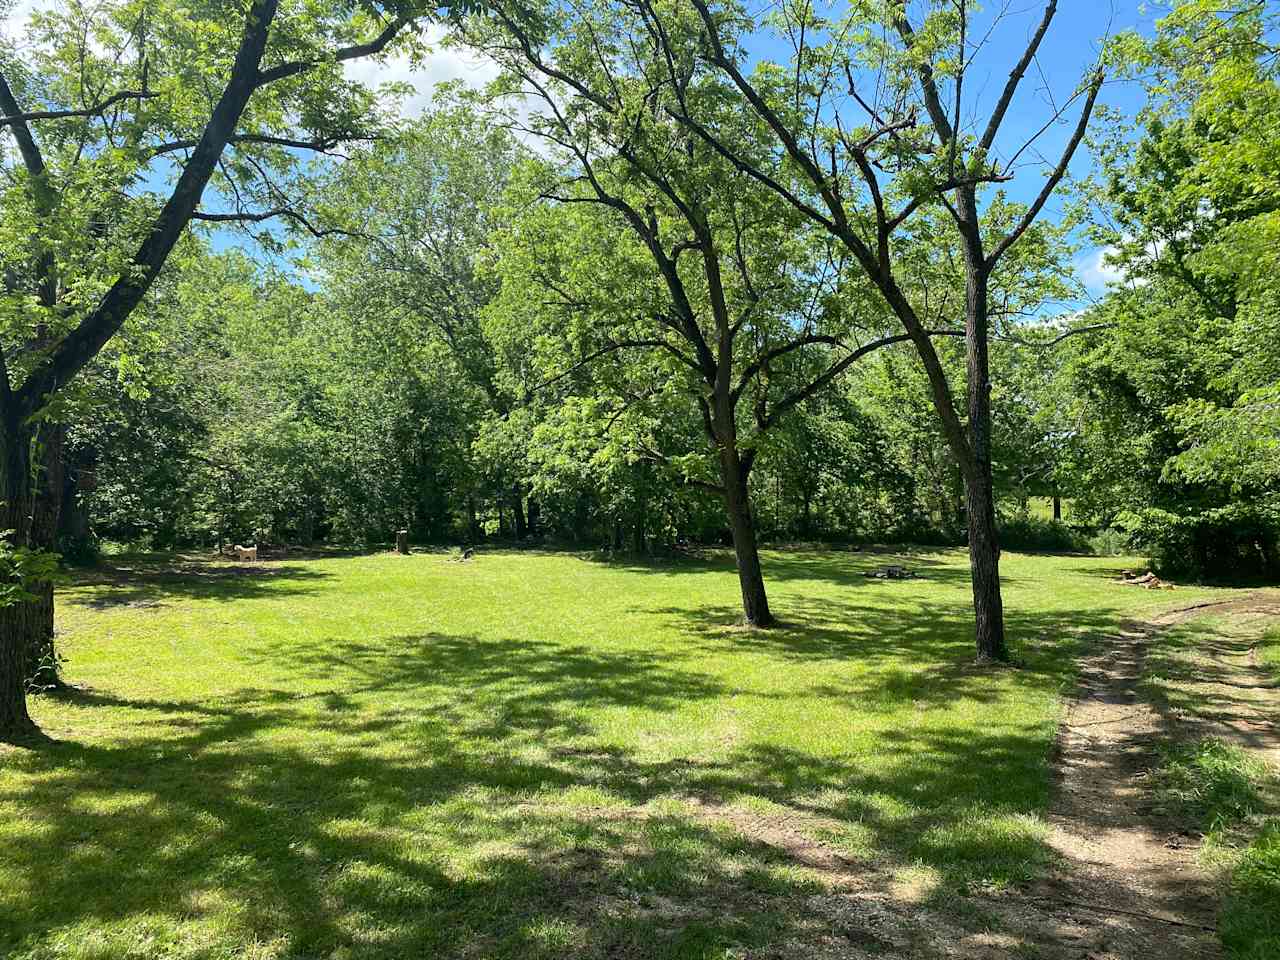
pixel 538 755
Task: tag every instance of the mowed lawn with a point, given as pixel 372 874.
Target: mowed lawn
pixel 526 755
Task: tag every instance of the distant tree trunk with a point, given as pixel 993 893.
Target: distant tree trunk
pixel 1057 507
pixel 473 524
pixel 534 516
pixel 737 502
pixel 517 513
pixel 78 478
pixel 618 538
pixel 638 541
pixel 307 529
pixel 19 622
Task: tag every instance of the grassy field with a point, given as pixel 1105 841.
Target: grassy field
pixel 527 755
pixel 1223 792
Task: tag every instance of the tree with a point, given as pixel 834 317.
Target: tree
pixel 863 178
pixel 1177 403
pixel 420 210
pixel 657 246
pixel 84 238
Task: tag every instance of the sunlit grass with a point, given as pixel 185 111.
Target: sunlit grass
pixel 1223 792
pixel 526 755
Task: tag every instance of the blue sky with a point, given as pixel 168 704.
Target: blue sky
pixel 1069 49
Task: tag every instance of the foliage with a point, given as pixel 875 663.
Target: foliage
pixel 21 568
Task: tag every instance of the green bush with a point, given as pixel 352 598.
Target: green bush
pixel 1038 535
pixel 1236 541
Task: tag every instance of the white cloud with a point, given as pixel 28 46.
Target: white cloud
pixel 13 18
pixel 1096 273
pixel 440 65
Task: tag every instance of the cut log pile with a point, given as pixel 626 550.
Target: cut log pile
pixel 890 573
pixel 1148 580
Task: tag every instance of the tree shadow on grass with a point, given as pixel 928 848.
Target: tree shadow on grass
pixel 155 580
pixel 845 567
pixel 421 842
pixel 449 795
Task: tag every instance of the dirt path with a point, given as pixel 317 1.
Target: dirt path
pixel 1129 885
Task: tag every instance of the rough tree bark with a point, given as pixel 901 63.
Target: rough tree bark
pixel 737 503
pixel 18 621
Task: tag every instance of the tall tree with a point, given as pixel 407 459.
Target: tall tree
pixel 675 250
pixel 96 118
pixel 872 131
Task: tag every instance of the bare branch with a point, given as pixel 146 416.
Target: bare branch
pixel 1054 178
pixel 97 109
pixel 354 52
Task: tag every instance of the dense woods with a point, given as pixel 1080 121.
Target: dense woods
pixel 646 289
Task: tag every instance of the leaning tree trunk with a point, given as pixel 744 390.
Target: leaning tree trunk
pixel 737 502
pixel 19 621
pixel 980 502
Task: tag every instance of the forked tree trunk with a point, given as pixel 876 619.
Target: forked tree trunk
pixel 737 502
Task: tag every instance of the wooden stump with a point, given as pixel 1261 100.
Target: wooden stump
pixel 402 541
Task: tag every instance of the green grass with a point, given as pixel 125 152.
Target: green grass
pixel 1225 793
pixel 1211 784
pixel 528 755
pixel 1222 791
pixel 1269 651
pixel 1250 925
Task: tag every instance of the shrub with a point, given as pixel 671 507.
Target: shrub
pixel 1038 535
pixel 1221 543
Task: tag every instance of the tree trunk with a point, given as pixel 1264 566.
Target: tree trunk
pixel 737 502
pixel 517 513
pixel 984 546
pixel 19 622
pixel 534 516
pixel 1057 507
pixel 984 565
pixel 638 542
pixel 42 656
